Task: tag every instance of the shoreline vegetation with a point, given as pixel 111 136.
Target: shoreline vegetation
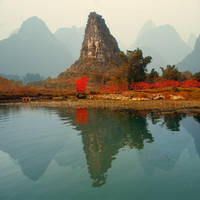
pixel 173 99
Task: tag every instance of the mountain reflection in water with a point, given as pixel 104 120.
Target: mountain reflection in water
pixel 103 134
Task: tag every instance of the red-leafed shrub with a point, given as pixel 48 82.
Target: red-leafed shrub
pixel 140 86
pixel 165 83
pixel 159 84
pixel 190 84
pixel 113 89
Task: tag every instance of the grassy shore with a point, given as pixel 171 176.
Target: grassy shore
pixel 187 99
pixel 159 105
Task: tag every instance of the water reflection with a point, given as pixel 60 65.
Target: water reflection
pixel 191 124
pixel 109 131
pixel 172 122
pixel 103 134
pixel 29 144
pixel 81 116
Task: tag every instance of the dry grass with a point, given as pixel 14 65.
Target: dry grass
pixel 187 93
pixel 12 93
pixel 149 106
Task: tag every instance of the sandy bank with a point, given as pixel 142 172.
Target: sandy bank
pixel 159 105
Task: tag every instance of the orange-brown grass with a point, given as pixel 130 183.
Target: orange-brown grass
pixel 187 93
pixel 7 93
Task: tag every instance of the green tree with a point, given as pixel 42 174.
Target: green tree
pixel 196 76
pixel 186 75
pixel 171 73
pixel 133 65
pixel 152 76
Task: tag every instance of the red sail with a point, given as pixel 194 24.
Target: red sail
pixel 81 84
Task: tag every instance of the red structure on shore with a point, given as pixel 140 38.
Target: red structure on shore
pixel 81 84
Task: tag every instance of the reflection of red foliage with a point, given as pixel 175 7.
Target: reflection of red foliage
pixel 81 84
pixel 81 116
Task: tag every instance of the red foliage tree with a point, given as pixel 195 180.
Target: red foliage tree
pixel 159 84
pixel 190 84
pixel 114 89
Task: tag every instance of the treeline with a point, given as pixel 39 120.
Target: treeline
pixel 132 68
pixel 28 78
pixel 5 83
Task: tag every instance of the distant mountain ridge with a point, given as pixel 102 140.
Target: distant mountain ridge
pixel 72 38
pixel 33 49
pixel 192 40
pixel 163 43
pixel 192 61
pixel 148 26
pixel 28 78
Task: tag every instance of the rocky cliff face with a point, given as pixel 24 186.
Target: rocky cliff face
pixel 97 54
pixel 99 48
pixel 98 42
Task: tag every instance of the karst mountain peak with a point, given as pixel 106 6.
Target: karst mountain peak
pixel 98 42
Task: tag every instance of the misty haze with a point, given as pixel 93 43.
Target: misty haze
pixel 99 100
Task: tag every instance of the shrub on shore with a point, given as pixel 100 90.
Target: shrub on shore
pixel 160 84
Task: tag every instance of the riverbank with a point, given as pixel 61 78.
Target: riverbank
pixel 164 99
pixel 159 105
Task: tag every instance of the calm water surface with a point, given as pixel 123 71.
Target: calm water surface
pixel 63 154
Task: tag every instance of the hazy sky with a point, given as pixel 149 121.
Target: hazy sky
pixel 124 17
